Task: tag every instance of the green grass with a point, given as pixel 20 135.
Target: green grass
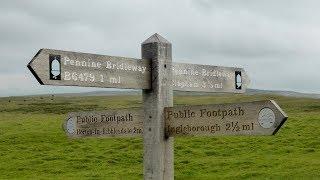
pixel 34 146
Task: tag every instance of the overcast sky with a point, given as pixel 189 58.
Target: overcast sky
pixel 276 42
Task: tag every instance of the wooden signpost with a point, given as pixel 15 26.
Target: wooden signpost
pixel 66 68
pixel 247 118
pixel 206 78
pixel 252 118
pixel 158 121
pixel 110 123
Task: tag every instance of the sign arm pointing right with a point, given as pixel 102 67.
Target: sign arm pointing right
pixel 282 119
pixel 246 118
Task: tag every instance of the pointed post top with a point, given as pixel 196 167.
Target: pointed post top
pixel 156 38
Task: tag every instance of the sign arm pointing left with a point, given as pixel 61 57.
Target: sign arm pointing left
pixel 32 70
pixel 66 68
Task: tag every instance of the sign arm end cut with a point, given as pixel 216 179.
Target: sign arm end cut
pixel 283 118
pixel 31 68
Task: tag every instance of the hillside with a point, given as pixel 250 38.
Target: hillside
pixel 34 146
pixel 183 93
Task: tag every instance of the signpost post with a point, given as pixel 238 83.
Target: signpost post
pixel 158 122
pixel 158 150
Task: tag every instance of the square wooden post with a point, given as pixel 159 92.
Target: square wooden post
pixel 158 150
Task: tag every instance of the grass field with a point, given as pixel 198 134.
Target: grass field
pixel 34 146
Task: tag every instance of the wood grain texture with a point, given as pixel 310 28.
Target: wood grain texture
pixel 158 150
pixel 109 123
pixel 252 118
pixel 108 71
pixel 121 72
pixel 207 78
pixel 217 119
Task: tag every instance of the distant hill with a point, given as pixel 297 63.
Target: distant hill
pixel 102 93
pixel 182 93
pixel 283 93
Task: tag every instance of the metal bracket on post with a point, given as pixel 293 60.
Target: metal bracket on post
pixel 158 149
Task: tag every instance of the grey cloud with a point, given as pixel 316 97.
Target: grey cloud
pixel 272 40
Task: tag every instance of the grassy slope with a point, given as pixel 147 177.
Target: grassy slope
pixel 33 145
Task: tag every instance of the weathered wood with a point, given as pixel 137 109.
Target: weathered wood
pixel 109 123
pixel 89 70
pixel 158 122
pixel 207 78
pixel 92 70
pixel 158 150
pixel 251 118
